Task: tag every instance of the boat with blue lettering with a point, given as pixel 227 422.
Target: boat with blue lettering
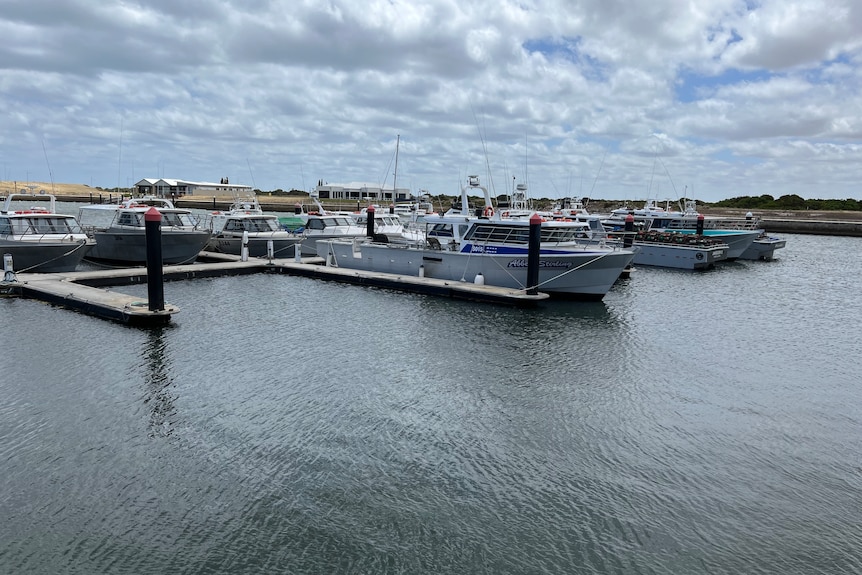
pixel 483 247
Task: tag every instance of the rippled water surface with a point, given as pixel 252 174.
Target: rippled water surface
pixel 690 423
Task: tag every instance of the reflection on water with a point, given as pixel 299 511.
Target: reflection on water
pixel 158 381
pixel 689 423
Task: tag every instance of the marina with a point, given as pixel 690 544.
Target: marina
pixel 570 437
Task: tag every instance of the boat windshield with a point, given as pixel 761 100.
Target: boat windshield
pixel 177 219
pixel 321 223
pixel 499 234
pixel 251 225
pixel 51 225
pixel 130 219
pixel 503 234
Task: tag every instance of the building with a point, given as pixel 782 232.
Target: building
pixel 362 192
pixel 167 188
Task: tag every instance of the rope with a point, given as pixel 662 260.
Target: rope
pixel 81 244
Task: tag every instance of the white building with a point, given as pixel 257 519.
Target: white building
pixel 362 192
pixel 166 188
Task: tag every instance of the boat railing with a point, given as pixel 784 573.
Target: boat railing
pixel 672 238
pixel 50 237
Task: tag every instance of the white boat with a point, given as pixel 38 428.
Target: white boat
pixel 320 224
pixel 461 246
pixel 416 210
pixel 120 232
pixel 245 222
pixel 388 223
pixel 38 238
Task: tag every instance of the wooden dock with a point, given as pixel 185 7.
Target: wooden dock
pixel 86 291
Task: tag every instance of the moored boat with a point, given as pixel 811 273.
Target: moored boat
pixel 461 246
pixel 120 232
pixel 320 224
pixel 737 233
pixel 245 223
pixel 677 250
pixel 763 247
pixel 37 238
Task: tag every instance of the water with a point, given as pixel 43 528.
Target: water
pixel 689 423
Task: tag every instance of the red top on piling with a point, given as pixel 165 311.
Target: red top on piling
pixel 370 209
pixel 700 217
pixel 535 219
pixel 630 218
pixel 152 215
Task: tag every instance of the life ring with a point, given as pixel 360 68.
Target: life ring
pixel 488 212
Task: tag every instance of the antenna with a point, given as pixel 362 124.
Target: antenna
pixel 250 173
pixel 395 174
pixel 50 173
pixel 120 156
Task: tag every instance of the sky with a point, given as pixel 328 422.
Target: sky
pixel 609 99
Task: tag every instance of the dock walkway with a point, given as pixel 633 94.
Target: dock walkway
pixel 86 291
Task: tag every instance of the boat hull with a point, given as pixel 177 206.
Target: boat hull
pixel 130 246
pixel 282 247
pixel 679 257
pixel 584 274
pixel 43 256
pixel 737 240
pixel 308 246
pixel 763 249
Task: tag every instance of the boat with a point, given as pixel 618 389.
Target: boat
pixel 320 224
pixel 245 223
pixel 659 248
pixel 389 224
pixel 737 233
pixel 763 247
pixel 678 250
pixel 37 238
pixel 487 248
pixel 416 210
pixel 120 232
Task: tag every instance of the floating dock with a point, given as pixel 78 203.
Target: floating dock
pixel 85 291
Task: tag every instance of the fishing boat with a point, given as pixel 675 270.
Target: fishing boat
pixel 37 238
pixel 245 224
pixel 486 248
pixel 678 250
pixel 665 249
pixel 737 233
pixel 120 232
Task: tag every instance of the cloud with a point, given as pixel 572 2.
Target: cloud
pixel 287 93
